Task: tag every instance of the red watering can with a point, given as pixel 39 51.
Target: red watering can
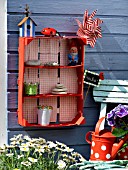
pixel 103 146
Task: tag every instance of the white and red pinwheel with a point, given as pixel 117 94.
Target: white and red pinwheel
pixel 89 29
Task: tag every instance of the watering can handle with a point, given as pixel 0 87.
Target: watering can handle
pixel 87 137
pixel 97 128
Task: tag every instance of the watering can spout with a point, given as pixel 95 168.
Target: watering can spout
pixel 116 146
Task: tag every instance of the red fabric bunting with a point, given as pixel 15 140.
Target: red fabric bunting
pixel 90 28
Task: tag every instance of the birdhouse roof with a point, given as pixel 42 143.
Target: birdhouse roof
pixel 24 20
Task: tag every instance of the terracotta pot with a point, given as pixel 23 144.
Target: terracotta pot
pixel 123 154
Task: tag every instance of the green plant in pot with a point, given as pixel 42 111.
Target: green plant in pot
pixel 118 119
pixel 30 88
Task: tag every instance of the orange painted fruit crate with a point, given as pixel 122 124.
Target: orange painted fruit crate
pixel 68 107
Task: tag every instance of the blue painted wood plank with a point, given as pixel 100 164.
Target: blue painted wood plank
pixel 117 83
pixel 111 100
pixel 110 88
pixel 12 81
pixel 13 100
pixel 94 61
pixel 106 61
pixel 69 136
pixel 107 44
pixel 12 96
pixel 114 25
pixel 111 7
pixel 111 94
pixel 84 150
pixel 91 115
pixel 12 62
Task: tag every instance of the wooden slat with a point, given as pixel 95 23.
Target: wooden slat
pixel 12 81
pixel 84 150
pixel 103 110
pixel 106 61
pixel 12 100
pixel 115 82
pixel 69 23
pixel 116 42
pixel 110 100
pixel 95 61
pixel 91 115
pixel 111 88
pixel 70 136
pixel 110 94
pixel 89 102
pixel 12 62
pixel 104 7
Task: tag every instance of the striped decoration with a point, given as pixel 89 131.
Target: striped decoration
pixel 90 28
pixel 24 31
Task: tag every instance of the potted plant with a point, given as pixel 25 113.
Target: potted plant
pixel 44 114
pixel 30 88
pixel 118 119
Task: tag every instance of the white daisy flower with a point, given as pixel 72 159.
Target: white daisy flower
pixel 61 144
pixel 20 156
pixel 42 140
pixel 27 163
pixel 9 154
pixel 40 150
pixel 82 159
pixel 24 149
pixel 27 138
pixel 61 164
pixel 67 149
pixel 33 160
pixel 51 144
pixel 13 139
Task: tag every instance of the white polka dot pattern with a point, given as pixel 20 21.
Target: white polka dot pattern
pixel 123 150
pixel 108 156
pixel 93 143
pixel 91 152
pixel 103 147
pixel 97 155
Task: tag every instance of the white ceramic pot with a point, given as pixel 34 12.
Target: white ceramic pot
pixel 44 116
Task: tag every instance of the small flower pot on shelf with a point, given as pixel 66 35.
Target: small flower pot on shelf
pixel 30 88
pixel 44 114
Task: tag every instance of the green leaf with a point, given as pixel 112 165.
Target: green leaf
pixel 119 132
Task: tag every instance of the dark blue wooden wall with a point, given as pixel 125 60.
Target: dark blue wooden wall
pixel 109 55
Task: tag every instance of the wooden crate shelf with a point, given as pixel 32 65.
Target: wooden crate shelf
pixel 67 108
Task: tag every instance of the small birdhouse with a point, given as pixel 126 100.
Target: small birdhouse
pixel 27 27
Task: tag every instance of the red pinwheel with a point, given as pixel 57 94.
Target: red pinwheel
pixel 90 28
